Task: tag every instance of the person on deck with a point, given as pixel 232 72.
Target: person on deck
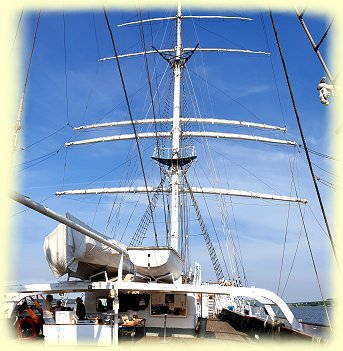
pixel 80 308
pixel 100 307
pixel 58 306
pixel 48 311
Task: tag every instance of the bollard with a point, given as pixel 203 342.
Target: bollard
pixel 202 327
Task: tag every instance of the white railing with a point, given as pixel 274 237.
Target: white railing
pixel 168 153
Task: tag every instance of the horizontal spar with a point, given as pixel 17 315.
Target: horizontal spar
pixel 172 51
pixel 195 190
pixel 238 136
pixel 148 52
pixel 239 51
pixel 184 120
pixel 149 20
pixel 38 207
pixel 184 134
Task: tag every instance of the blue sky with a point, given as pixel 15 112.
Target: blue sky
pixel 71 87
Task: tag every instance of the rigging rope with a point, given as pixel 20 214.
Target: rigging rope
pixel 227 95
pixel 324 170
pixel 315 47
pixel 246 170
pixel 314 266
pixel 152 101
pixel 16 33
pixel 116 106
pixel 239 251
pixel 123 202
pixel 96 209
pixel 293 260
pixel 214 259
pixel 44 138
pixel 37 158
pixel 273 69
pixel 325 182
pixel 91 90
pixel 41 158
pixel 302 136
pixel 319 154
pixel 223 207
pixel 204 70
pixel 325 34
pixel 214 229
pixel 141 230
pixel 226 228
pixel 237 45
pixel 311 169
pixel 148 74
pixel 65 68
pixel 311 254
pixel 316 219
pixel 292 167
pixel 21 105
pixel 284 244
pixel 66 93
pixel 64 167
pixel 96 36
pixel 46 156
pixel 130 114
pixel 129 174
pixel 134 166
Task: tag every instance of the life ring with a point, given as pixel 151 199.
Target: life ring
pixel 198 299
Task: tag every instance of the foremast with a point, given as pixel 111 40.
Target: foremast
pixel 176 136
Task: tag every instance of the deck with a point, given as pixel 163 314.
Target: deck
pixel 219 329
pixel 216 331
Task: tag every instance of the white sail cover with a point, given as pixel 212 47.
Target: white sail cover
pixel 70 252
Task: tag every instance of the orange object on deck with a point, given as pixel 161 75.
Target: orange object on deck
pixel 26 328
pixel 33 315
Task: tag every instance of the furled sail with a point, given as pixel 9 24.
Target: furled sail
pixel 70 252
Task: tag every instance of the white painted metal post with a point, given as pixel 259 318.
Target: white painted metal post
pixel 114 294
pixel 201 305
pixel 120 268
pixel 176 132
pixel 116 328
pixel 165 328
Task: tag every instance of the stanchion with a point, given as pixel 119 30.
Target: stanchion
pixel 165 328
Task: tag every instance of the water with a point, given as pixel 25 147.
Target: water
pixel 312 314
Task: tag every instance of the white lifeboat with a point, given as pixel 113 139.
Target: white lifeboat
pixel 159 263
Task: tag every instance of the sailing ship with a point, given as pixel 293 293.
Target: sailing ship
pixel 156 279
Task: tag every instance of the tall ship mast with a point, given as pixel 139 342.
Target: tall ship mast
pixel 176 160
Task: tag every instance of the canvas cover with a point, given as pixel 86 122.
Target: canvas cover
pixel 71 252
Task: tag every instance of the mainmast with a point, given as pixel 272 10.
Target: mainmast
pixel 175 159
pixel 176 134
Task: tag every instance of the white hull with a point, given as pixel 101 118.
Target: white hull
pixel 162 263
